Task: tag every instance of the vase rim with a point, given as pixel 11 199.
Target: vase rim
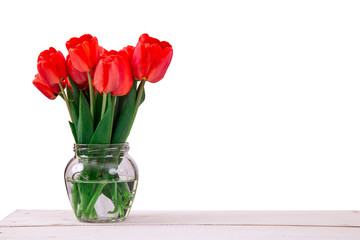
pixel 106 144
pixel 125 146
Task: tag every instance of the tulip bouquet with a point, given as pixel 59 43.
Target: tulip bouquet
pixel 102 95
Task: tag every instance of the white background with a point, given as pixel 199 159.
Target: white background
pixel 259 108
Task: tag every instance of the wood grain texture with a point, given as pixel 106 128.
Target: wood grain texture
pixel 181 233
pixel 257 225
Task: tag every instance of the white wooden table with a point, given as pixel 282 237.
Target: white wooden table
pixel 223 225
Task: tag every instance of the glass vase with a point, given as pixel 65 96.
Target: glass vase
pixel 101 182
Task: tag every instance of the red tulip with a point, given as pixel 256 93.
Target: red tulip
pixel 84 52
pixel 44 87
pixel 102 51
pixel 52 67
pixel 151 59
pixel 80 78
pixel 113 74
pixel 129 52
pixel 126 79
pixel 106 77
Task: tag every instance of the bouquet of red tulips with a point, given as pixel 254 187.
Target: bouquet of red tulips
pixel 102 94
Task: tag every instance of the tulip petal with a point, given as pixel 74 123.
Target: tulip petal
pixel 60 64
pixel 125 78
pixel 78 77
pixel 151 58
pixel 79 59
pixel 160 65
pixel 113 76
pixel 140 62
pixel 73 42
pixel 52 67
pixel 147 39
pixel 165 44
pixel 84 52
pixel 100 76
pixel 153 52
pixel 107 75
pixel 129 51
pixel 48 73
pixel 43 87
pixel 94 52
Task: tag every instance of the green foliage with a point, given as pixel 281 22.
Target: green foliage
pixel 97 108
pixel 142 97
pixel 102 133
pixel 113 127
pixel 126 112
pixel 73 98
pixel 74 111
pixel 75 90
pixel 85 128
pixel 73 130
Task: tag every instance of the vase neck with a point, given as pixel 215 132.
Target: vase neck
pixel 100 150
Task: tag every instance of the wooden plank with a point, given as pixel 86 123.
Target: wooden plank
pixel 38 218
pixel 177 232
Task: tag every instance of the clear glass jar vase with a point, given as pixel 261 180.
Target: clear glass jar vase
pixel 101 182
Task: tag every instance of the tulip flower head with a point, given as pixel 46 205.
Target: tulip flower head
pixel 151 59
pixel 84 52
pixel 45 88
pixel 106 77
pixel 80 78
pixel 113 74
pixel 52 67
pixel 126 79
pixel 129 50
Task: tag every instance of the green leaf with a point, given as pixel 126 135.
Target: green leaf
pixel 125 115
pixel 87 95
pixel 75 90
pixel 74 106
pixel 60 94
pixel 84 129
pixel 74 112
pixel 119 105
pixel 102 132
pixel 142 97
pixel 69 94
pixel 73 130
pixel 97 109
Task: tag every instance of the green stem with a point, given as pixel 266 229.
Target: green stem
pixel 121 205
pixel 113 102
pixel 137 103
pixel 93 214
pixel 75 198
pixel 78 213
pixel 138 97
pixel 114 199
pixel 103 105
pixel 66 101
pixel 125 191
pixel 92 95
pixel 94 198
